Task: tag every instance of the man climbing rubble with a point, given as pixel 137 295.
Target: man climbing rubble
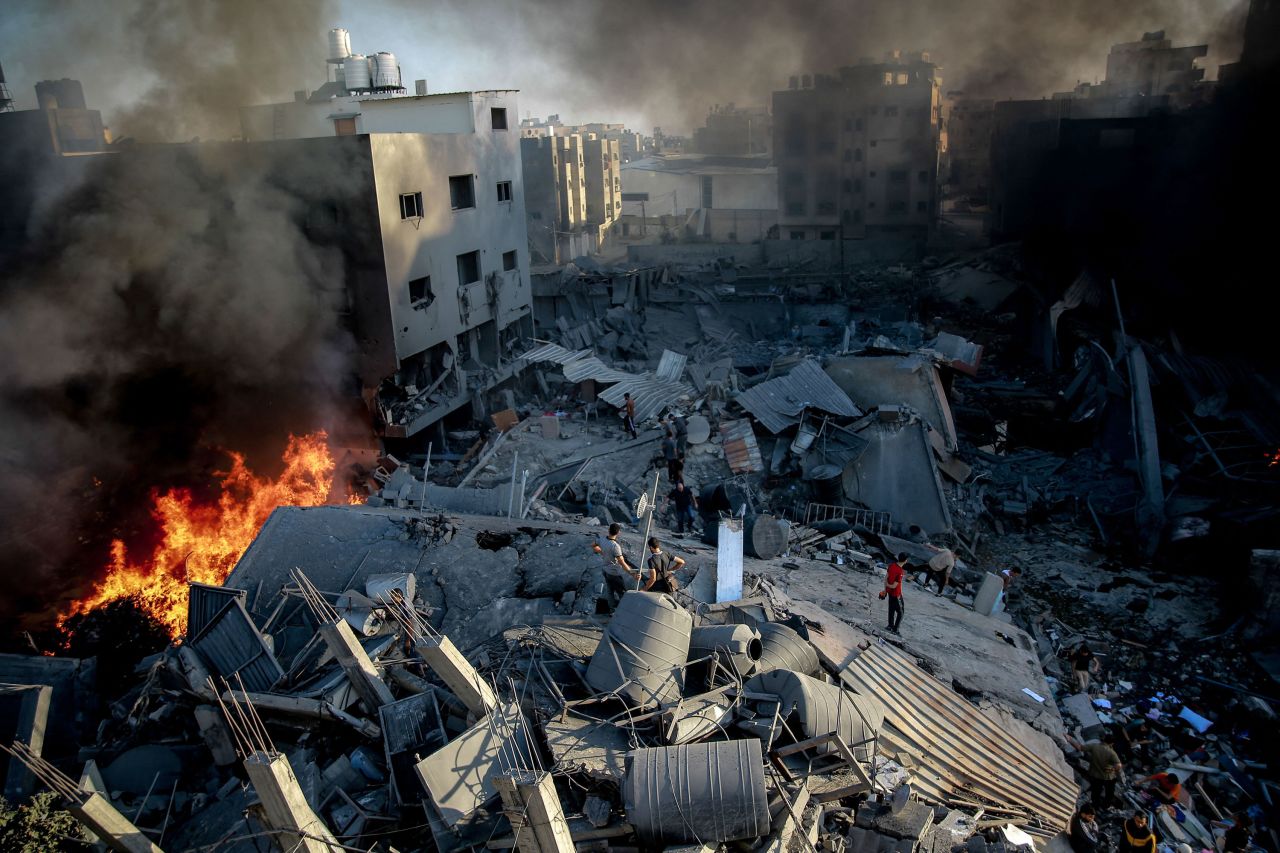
pixel 675 465
pixel 681 430
pixel 661 569
pixel 939 567
pixel 617 573
pixel 685 503
pixel 893 590
pixel 1084 666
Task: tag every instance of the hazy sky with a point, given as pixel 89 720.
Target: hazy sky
pixel 645 62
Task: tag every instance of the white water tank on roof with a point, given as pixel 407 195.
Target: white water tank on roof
pixel 355 72
pixel 384 70
pixel 339 44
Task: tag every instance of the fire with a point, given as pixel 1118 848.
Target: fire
pixel 202 542
pixel 1273 459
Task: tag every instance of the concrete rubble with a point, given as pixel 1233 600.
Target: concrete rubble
pixel 442 667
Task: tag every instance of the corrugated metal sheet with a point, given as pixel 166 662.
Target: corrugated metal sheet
pixel 651 395
pixel 777 403
pixel 671 365
pixel 555 353
pixel 740 448
pixel 591 367
pixel 231 644
pixel 205 602
pixel 960 753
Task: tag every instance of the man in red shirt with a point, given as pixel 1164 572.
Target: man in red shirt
pixel 893 591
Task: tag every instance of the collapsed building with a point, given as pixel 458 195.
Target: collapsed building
pixel 444 667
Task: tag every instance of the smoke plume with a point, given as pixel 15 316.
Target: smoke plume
pixel 669 59
pixel 168 301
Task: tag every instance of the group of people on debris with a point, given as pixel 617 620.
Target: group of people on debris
pixel 938 570
pixel 1157 792
pixel 657 575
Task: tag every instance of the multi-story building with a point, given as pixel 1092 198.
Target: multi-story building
pixel 732 131
pixel 969 123
pixel 444 289
pixel 857 153
pixel 61 123
pixel 1153 66
pixel 573 194
pixel 722 199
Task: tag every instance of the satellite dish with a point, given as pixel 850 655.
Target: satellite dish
pixel 642 504
pixel 900 798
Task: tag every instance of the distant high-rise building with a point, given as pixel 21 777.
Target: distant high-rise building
pixel 732 131
pixel 857 153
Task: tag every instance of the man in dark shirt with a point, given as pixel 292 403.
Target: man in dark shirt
pixel 1083 667
pixel 685 502
pixel 675 468
pixel 1085 835
pixel 661 569
pixel 682 434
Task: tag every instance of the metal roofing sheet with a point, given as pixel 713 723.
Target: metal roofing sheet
pixel 651 395
pixel 555 353
pixel 777 403
pixel 593 368
pixel 740 449
pixel 671 365
pixel 960 752
pixel 232 645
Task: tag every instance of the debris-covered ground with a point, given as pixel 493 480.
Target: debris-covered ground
pixel 449 665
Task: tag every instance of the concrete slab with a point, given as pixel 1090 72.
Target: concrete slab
pixel 556 563
pixel 912 821
pixel 897 474
pixel 913 381
pixel 459 776
pixel 594 749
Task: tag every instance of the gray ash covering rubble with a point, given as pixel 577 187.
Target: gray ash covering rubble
pixel 445 667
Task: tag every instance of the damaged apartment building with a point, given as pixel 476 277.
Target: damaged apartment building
pixel 439 281
pixel 857 152
pixel 420 194
pixel 572 192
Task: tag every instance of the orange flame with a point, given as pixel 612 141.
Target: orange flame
pixel 1273 459
pixel 202 543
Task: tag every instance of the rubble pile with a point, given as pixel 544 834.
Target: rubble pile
pixel 447 666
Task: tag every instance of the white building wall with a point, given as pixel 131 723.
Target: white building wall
pixel 411 163
pixel 463 112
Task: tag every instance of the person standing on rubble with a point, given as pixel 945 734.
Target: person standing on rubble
pixel 685 501
pixel 662 568
pixel 682 435
pixel 1104 768
pixel 629 414
pixel 1084 665
pixel 616 569
pixel 893 591
pixel 1138 837
pixel 1085 835
pixel 675 467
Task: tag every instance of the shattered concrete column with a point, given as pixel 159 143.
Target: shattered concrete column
pixel 457 672
pixel 286 807
pixel 112 828
pixel 533 807
pixel 355 662
pixel 1151 512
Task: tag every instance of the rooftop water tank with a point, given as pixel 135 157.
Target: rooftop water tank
pixel 356 73
pixel 384 71
pixel 643 651
pixel 339 44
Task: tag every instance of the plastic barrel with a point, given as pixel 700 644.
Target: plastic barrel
pixel 783 648
pixel 823 708
pixel 698 792
pixel 739 646
pixel 643 651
